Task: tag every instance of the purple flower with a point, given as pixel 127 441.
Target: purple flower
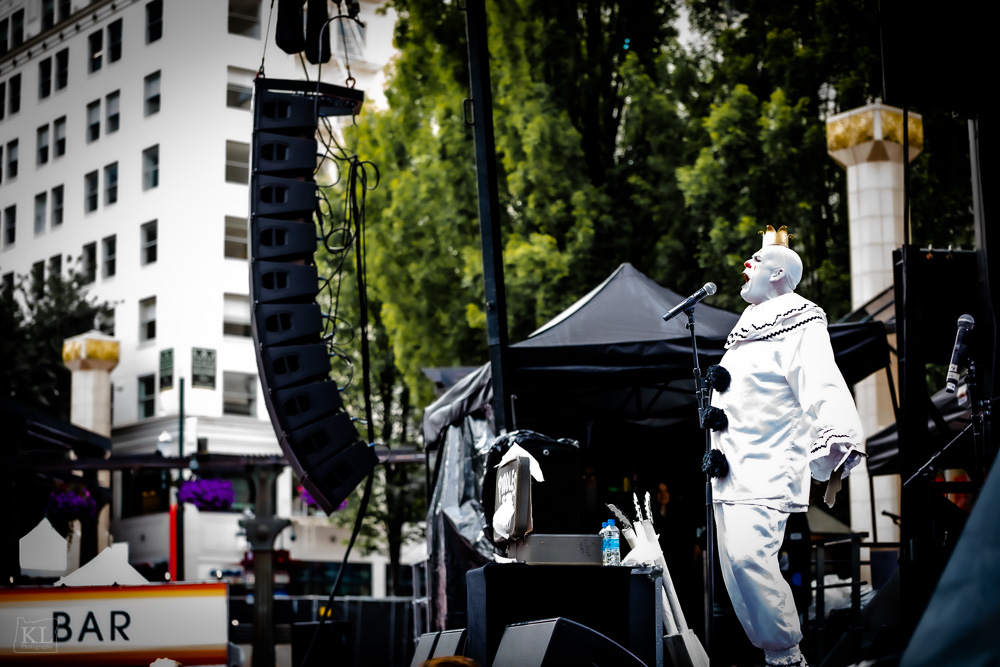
pixel 207 494
pixel 71 504
pixel 306 497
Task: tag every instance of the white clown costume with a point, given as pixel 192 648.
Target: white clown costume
pixel 789 417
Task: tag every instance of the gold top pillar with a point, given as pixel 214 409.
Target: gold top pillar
pixel 873 133
pixel 90 351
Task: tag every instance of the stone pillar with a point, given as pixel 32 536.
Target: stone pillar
pixel 91 357
pixel 868 143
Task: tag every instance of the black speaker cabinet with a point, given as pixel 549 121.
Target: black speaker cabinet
pixel 560 642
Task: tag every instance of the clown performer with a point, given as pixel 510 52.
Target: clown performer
pixel 782 412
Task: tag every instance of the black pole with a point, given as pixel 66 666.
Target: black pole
pixel 701 392
pixel 180 506
pixel 489 206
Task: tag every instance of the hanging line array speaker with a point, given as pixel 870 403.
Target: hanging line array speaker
pixel 307 411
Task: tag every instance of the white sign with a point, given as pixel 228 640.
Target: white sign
pixel 115 625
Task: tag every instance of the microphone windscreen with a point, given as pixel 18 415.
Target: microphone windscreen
pixel 709 288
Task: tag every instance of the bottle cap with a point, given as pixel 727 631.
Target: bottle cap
pixel 611 522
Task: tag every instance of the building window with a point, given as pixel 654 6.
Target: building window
pixel 152 94
pixel 111 111
pixel 147 236
pixel 239 394
pixel 57 205
pixel 44 78
pixel 4 36
pixel 96 44
pixel 42 139
pixel 236 315
pixel 3 99
pixel 94 121
pixel 109 246
pixel 12 158
pixel 237 162
pixel 62 69
pixel 239 90
pixel 64 9
pixel 38 280
pixel 154 21
pixel 147 319
pixel 115 41
pixel 90 188
pixel 8 285
pixel 106 325
pixel 48 14
pixel 17 29
pixel 236 238
pixel 147 396
pixel 59 130
pixel 1 164
pixel 90 263
pixel 151 167
pixel 244 18
pixel 15 93
pixel 55 265
pixel 10 225
pixel 349 37
pixel 41 207
pixel 111 183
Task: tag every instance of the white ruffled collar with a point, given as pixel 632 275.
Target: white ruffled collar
pixel 774 318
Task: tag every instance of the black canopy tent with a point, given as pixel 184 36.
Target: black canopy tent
pixel 610 374
pixel 610 356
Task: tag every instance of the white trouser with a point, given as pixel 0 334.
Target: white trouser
pixel 749 539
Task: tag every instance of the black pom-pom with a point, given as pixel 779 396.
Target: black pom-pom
pixel 718 378
pixel 715 419
pixel 714 464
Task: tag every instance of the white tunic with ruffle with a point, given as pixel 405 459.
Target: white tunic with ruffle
pixel 789 410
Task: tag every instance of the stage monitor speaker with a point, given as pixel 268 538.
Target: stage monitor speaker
pixel 425 648
pixel 560 642
pixel 451 642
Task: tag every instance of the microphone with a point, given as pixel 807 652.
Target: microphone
pixel 690 302
pixel 965 324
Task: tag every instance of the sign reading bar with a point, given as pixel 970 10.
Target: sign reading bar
pixel 202 368
pixel 114 625
pixel 166 369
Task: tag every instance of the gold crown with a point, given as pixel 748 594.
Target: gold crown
pixel 780 237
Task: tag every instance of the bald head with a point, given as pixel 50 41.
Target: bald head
pixel 772 271
pixel 788 260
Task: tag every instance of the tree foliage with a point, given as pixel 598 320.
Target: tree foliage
pixel 34 321
pixel 615 142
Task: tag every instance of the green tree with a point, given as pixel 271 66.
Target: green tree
pixel 34 321
pixel 559 98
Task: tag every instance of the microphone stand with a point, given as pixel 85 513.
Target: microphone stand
pixel 702 395
pixel 979 422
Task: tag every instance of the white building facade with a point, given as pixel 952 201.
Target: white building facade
pixel 125 131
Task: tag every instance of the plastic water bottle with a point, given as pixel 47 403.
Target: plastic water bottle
pixel 614 556
pixel 604 543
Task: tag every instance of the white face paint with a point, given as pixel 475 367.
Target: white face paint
pixel 762 275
